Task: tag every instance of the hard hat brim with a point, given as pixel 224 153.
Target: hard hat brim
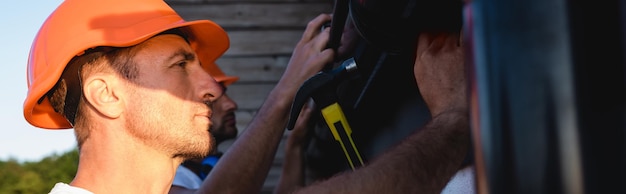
pixel 226 80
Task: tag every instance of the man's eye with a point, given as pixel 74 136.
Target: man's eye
pixel 181 64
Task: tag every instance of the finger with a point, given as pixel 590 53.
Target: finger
pixel 305 113
pixel 312 28
pixel 302 122
pixel 422 43
pixel 322 39
pixel 425 41
pixel 453 41
pixel 304 116
pixel 325 57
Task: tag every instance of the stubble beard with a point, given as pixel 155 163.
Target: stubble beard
pixel 176 141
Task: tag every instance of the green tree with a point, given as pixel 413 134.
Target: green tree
pixel 30 182
pixel 37 177
pixel 10 172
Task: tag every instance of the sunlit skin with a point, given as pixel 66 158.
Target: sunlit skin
pixel 152 122
pixel 173 88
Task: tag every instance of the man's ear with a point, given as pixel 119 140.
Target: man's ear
pixel 100 91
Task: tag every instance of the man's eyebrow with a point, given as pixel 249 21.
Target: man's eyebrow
pixel 184 53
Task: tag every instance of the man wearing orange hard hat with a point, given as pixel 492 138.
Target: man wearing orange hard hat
pixel 136 82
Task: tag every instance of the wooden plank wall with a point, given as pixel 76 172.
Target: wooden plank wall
pixel 262 33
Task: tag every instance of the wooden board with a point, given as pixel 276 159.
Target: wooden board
pixel 256 15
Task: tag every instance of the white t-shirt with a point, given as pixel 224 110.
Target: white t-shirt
pixel 463 182
pixel 62 188
pixel 186 178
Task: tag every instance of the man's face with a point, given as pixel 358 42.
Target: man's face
pixel 167 103
pixel 224 121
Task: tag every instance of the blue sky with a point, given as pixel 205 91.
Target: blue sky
pixel 20 22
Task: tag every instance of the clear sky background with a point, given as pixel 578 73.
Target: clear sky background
pixel 20 21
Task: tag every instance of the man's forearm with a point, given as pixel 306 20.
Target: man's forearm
pixel 292 175
pixel 422 163
pixel 249 159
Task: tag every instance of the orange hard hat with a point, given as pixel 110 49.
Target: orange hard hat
pixel 219 76
pixel 78 25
